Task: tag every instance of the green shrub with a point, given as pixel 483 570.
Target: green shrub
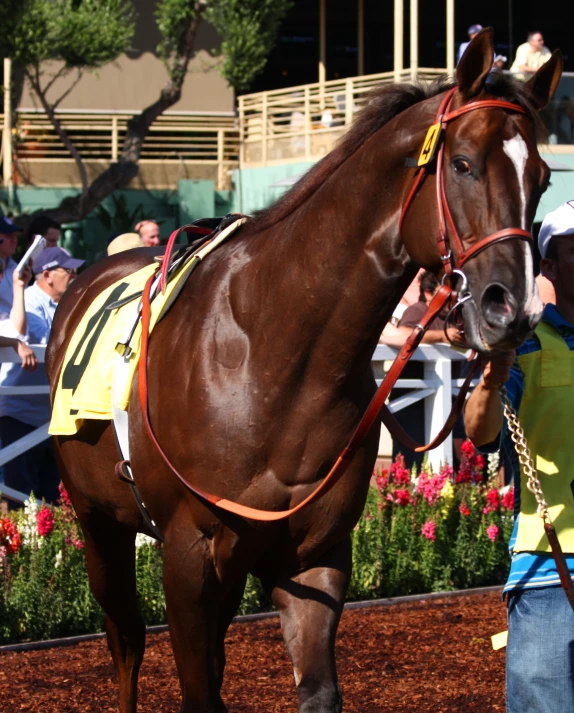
pixel 418 533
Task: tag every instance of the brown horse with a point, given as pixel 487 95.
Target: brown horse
pixel 261 369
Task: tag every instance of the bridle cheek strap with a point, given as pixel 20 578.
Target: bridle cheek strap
pixel 444 117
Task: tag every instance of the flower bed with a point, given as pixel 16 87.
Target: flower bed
pixel 418 533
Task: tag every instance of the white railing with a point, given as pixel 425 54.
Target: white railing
pixel 436 388
pixel 32 439
pixel 303 123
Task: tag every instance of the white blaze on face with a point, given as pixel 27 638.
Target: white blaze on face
pixel 517 151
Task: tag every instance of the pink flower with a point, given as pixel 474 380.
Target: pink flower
pixel 64 497
pixel 78 544
pixel 402 497
pixel 382 479
pixel 45 520
pixel 492 532
pixel 463 509
pixel 428 530
pixel 508 499
pixel 430 486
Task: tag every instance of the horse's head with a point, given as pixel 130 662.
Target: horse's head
pixel 489 179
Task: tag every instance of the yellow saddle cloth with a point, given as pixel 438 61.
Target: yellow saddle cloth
pixel 85 383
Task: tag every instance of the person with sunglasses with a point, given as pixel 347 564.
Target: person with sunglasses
pixel 35 470
pixel 530 56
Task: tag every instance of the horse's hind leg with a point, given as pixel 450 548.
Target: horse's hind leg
pixel 200 608
pixel 110 555
pixel 310 605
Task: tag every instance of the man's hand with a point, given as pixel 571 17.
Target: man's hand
pixel 29 359
pixel 21 279
pixel 496 369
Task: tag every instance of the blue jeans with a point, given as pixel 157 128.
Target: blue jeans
pixel 540 652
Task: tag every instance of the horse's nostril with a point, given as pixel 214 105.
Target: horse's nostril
pixel 498 306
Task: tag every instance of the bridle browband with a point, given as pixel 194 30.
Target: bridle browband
pixel 444 297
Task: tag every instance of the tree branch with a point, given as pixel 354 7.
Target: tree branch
pixel 68 143
pixel 120 174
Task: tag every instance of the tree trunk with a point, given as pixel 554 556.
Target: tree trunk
pixel 120 174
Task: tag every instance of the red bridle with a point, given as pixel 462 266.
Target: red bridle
pixel 444 117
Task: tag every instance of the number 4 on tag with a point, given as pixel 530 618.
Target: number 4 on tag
pixel 430 144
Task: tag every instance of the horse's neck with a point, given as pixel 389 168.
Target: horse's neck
pixel 351 268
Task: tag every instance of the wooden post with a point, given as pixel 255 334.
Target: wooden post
pixel 7 132
pixel 220 160
pixel 264 130
pixel 414 43
pixel 349 100
pixel 307 126
pixel 437 409
pixel 361 38
pixel 450 64
pixel 114 138
pixel 322 44
pixel 398 40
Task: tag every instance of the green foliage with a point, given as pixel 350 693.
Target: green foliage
pixel 433 532
pixel 174 19
pixel 121 219
pixel 418 533
pixel 249 30
pixel 81 33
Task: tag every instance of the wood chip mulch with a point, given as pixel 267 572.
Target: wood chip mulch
pixel 431 656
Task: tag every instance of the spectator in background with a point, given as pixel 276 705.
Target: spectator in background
pixel 49 229
pixel 530 56
pixel 149 232
pixel 125 241
pixel 13 325
pixel 499 62
pixel 473 30
pixel 8 244
pixel 35 469
pixel 412 418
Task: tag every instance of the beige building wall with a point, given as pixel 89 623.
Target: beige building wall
pixel 135 80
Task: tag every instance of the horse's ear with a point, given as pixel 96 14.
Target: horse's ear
pixel 541 87
pixel 475 64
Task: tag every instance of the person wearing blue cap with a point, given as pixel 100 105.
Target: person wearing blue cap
pixel 539 381
pixel 36 469
pixel 9 234
pixel 473 31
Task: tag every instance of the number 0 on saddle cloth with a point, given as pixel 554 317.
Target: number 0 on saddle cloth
pixel 85 383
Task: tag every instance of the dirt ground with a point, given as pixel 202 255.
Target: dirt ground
pixel 433 657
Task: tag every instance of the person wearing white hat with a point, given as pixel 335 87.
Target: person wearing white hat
pixel 539 380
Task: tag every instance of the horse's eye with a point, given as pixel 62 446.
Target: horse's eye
pixel 461 166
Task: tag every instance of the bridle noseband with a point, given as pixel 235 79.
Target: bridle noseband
pixel 443 118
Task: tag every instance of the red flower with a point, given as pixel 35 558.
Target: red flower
pixel 508 499
pixel 464 510
pixel 402 497
pixel 400 474
pixel 64 497
pixel 9 536
pixel 45 520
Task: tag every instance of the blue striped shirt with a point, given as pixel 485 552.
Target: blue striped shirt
pixel 530 569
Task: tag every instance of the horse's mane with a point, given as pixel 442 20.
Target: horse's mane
pixel 383 104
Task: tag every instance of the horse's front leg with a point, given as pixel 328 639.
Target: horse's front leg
pixel 200 607
pixel 310 606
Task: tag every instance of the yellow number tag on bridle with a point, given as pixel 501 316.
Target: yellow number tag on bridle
pixel 430 144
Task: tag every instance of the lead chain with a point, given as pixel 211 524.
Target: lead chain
pixel 524 456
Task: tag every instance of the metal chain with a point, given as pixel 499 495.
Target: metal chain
pixel 524 456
